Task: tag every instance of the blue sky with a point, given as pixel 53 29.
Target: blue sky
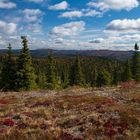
pixel 70 24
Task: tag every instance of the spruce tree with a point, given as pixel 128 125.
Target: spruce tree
pixel 8 71
pixel 127 75
pixel 76 76
pixel 117 73
pixel 115 77
pixel 136 64
pixel 41 79
pixel 51 73
pixel 94 76
pixel 64 78
pixel 103 78
pixel 25 72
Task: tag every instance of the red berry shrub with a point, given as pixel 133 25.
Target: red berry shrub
pixel 128 85
pixel 3 101
pixel 8 122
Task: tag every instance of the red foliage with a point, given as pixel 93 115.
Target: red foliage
pixel 105 102
pixel 67 136
pixel 128 85
pixel 112 126
pixel 1 130
pixel 122 127
pixel 3 101
pixel 28 114
pixel 1 123
pixel 136 100
pixel 43 126
pixel 8 122
pixel 73 97
pixel 108 102
pixel 108 125
pixel 22 125
pixel 45 103
pixel 109 128
pixel 110 132
pixel 98 106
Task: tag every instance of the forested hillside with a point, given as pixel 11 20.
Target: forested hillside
pixel 54 72
pixel 119 55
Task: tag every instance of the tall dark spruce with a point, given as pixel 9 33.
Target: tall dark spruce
pixel 64 78
pixel 127 75
pixel 8 71
pixel 51 73
pixel 76 76
pixel 136 64
pixel 25 72
pixel 103 78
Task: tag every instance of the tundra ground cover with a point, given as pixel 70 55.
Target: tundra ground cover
pixel 71 114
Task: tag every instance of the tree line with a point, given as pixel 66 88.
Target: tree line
pixel 23 72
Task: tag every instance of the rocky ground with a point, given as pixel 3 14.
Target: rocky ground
pixel 71 114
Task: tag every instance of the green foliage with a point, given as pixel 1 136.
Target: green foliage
pixel 41 80
pixel 136 64
pixel 127 75
pixel 25 71
pixel 52 79
pixel 8 71
pixel 64 78
pixel 104 78
pixel 115 77
pixel 76 76
pixel 94 75
pixel 61 72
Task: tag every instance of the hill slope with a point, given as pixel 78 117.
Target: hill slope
pixel 121 55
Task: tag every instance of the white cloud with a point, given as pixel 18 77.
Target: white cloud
pixel 133 37
pixel 36 1
pixel 68 29
pixel 7 28
pixel 78 14
pixel 32 15
pixel 35 28
pixel 2 41
pixel 59 40
pixel 60 6
pixel 104 5
pixel 32 22
pixel 6 4
pixel 124 25
pixel 71 14
pixel 97 40
pixel 93 13
pixel 125 39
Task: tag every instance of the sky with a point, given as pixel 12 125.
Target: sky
pixel 70 24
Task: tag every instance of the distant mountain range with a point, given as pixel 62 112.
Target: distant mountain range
pixel 120 55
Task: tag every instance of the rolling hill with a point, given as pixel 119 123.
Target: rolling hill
pixel 120 55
